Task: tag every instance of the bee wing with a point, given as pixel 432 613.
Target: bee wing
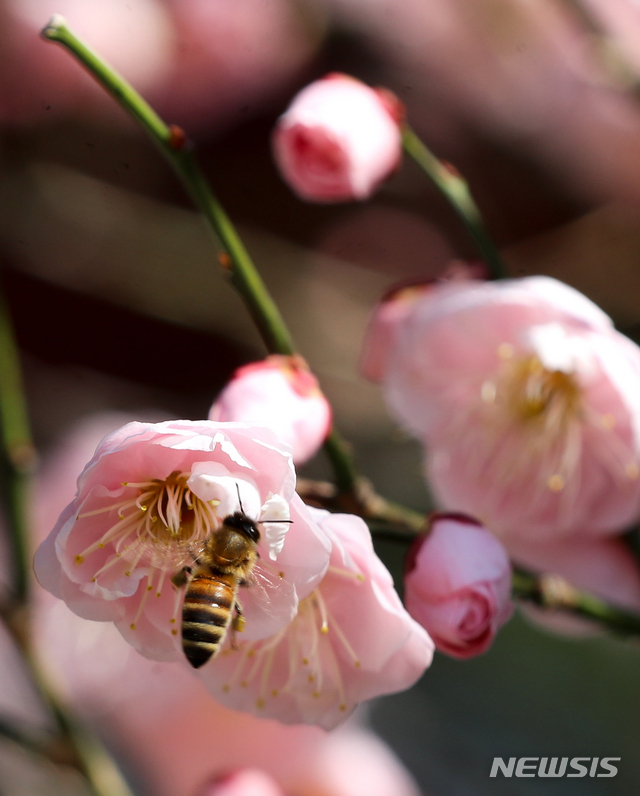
pixel 269 602
pixel 176 556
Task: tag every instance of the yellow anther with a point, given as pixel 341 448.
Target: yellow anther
pixel 505 350
pixel 260 704
pixel 132 626
pixel 556 483
pixel 305 661
pixel 343 707
pixel 274 692
pixel 174 632
pixel 488 392
pixel 79 559
pixel 226 688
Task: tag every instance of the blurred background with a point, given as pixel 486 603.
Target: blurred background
pixel 119 303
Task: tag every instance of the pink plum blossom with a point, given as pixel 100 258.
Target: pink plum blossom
pixel 176 736
pixel 351 640
pixel 338 140
pixel 282 394
pixel 148 498
pixel 458 585
pixel 528 402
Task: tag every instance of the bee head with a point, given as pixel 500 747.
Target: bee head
pixel 244 525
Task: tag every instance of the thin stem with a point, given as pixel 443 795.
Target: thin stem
pixel 17 454
pixel 244 275
pixel 551 591
pixel 342 462
pixel 73 744
pixel 456 191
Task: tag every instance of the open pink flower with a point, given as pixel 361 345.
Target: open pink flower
pixel 458 585
pixel 282 394
pixel 151 494
pixel 529 404
pixel 169 728
pixel 351 640
pixel 338 140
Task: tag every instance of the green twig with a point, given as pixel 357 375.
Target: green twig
pixel 553 592
pixel 455 189
pixel 389 521
pixel 17 454
pixel 244 275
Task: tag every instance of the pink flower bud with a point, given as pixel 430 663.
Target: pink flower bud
pixel 246 782
pixel 281 393
pixel 458 585
pixel 338 140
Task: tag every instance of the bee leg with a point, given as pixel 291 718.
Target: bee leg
pixel 181 577
pixel 237 624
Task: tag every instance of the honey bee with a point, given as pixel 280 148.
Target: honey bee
pixel 225 562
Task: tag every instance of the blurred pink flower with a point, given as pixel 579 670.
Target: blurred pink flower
pixel 351 640
pixel 282 394
pixel 149 496
pixel 458 585
pixel 230 58
pixel 529 404
pixel 198 62
pixel 387 321
pixel 245 782
pixel 136 38
pixel 338 140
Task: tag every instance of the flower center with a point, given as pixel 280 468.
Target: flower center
pixel 534 391
pixel 162 523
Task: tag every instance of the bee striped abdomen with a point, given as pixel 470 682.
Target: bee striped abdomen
pixel 206 615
